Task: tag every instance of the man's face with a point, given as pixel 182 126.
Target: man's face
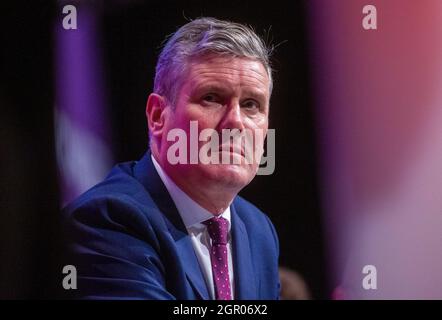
pixel 220 93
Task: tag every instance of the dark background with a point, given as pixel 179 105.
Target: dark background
pixel 29 205
pixel 132 32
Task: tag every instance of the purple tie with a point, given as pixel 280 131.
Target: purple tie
pixel 218 229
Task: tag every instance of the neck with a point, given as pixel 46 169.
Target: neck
pixel 210 199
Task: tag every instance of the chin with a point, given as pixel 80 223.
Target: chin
pixel 235 176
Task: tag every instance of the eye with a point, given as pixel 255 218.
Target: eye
pixel 250 104
pixel 211 98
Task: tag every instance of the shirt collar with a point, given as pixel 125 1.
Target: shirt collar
pixel 191 212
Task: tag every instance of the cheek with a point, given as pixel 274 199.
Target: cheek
pixel 183 120
pixel 259 122
pixel 205 118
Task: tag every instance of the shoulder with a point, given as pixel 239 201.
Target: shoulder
pixel 114 215
pixel 119 185
pixel 248 212
pixel 119 203
pixel 256 221
pixel 114 235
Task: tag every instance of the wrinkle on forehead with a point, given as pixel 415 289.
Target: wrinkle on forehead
pixel 235 69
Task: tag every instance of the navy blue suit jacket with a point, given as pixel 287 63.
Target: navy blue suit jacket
pixel 127 241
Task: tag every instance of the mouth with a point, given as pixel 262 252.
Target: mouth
pixel 236 149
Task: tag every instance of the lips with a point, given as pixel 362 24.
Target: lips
pixel 233 149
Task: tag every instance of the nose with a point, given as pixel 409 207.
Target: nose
pixel 232 118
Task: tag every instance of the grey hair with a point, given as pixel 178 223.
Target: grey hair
pixel 203 36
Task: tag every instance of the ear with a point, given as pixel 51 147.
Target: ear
pixel 155 114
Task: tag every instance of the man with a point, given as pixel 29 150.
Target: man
pixel 162 229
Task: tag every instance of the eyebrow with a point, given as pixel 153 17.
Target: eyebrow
pixel 210 87
pixel 256 94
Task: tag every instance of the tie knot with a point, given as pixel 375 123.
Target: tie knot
pixel 218 228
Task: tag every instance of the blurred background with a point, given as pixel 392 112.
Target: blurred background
pixel 357 115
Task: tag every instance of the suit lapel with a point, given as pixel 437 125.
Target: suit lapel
pixel 146 173
pixel 245 285
pixel 190 263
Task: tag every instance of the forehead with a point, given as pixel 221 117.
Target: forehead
pixel 227 71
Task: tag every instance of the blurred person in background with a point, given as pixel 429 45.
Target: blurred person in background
pixel 293 285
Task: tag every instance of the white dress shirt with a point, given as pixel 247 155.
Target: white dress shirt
pixel 193 216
